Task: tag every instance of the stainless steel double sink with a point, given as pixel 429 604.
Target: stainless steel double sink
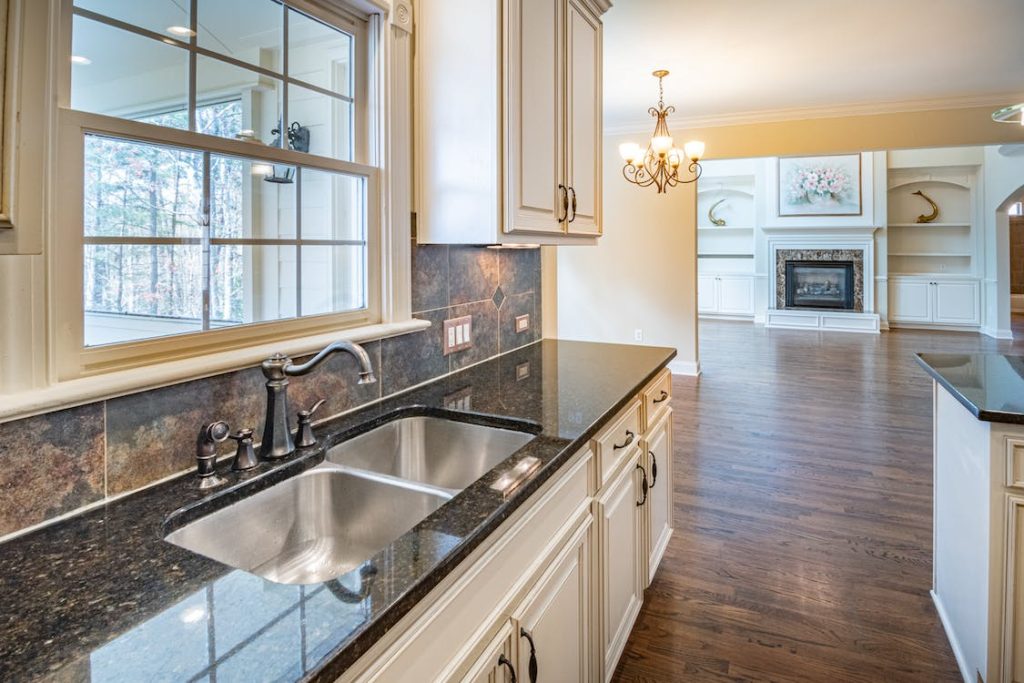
pixel 368 492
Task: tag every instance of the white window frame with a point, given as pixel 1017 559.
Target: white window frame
pixel 388 207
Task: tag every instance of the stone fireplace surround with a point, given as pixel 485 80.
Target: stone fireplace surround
pixel 854 255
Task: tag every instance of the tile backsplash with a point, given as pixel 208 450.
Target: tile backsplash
pixel 53 464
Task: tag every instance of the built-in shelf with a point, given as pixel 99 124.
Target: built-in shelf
pixel 929 225
pixel 930 254
pixel 722 228
pixel 725 256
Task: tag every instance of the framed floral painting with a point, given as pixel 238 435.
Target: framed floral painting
pixel 820 186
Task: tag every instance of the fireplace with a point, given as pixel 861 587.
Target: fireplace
pixel 820 284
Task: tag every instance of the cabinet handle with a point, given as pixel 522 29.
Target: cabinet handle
pixel 565 202
pixel 662 398
pixel 523 633
pixel 573 191
pixel 503 661
pixel 643 485
pixel 629 439
pixel 654 468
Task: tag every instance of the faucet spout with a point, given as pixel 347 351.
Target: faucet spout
pixel 277 437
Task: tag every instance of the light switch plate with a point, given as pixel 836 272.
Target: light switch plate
pixel 458 334
pixel 522 322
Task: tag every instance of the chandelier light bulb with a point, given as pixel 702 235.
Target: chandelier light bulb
pixel 694 150
pixel 661 144
pixel 630 152
pixel 675 156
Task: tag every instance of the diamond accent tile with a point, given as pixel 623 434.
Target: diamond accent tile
pixel 498 298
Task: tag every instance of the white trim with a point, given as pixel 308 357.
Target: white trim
pixel 76 392
pixel 643 125
pixel 688 368
pixel 997 333
pixel 954 644
pixel 825 321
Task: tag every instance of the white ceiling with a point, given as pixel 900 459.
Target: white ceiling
pixel 760 59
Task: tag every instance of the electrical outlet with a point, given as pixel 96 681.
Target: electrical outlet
pixel 522 323
pixel 638 334
pixel 457 334
pixel 522 371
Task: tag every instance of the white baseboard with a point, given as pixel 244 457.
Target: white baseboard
pixel 685 367
pixel 837 321
pixel 953 642
pixel 997 333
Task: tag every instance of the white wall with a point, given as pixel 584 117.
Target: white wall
pixel 643 272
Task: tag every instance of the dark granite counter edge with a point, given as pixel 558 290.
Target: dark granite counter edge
pixel 984 415
pixel 337 662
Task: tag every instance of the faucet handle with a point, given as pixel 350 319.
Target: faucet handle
pixel 306 436
pixel 245 455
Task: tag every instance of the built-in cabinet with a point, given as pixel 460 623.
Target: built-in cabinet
pixel 726 219
pixel 553 594
pixel 725 295
pixel 508 120
pixel 935 301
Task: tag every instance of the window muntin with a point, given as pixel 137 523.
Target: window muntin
pixel 204 240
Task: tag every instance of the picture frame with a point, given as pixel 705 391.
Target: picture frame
pixel 827 185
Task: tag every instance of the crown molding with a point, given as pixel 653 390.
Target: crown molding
pixel 645 125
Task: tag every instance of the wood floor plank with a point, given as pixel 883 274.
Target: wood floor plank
pixel 802 508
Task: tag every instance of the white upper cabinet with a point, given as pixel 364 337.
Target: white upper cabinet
pixel 508 121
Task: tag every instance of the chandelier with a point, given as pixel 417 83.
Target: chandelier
pixel 659 164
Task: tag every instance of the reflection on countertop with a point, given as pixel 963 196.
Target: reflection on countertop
pixel 102 597
pixel 990 385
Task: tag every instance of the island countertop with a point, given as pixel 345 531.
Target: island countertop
pixel 102 597
pixel 989 385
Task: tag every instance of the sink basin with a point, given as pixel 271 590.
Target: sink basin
pixel 429 450
pixel 313 527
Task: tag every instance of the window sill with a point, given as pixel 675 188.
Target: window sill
pixel 71 393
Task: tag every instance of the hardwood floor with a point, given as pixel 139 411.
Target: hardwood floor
pixel 802 549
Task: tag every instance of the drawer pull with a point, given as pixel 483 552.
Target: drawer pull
pixel 654 469
pixel 629 439
pixel 662 398
pixel 523 633
pixel 503 661
pixel 643 485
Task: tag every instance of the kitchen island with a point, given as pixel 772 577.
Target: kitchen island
pixel 978 570
pixel 102 595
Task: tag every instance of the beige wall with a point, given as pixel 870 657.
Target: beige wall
pixel 642 274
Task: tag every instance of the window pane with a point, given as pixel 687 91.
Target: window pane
pixel 333 206
pixel 166 17
pixel 122 74
pixel 259 99
pixel 244 204
pixel 319 54
pixel 251 284
pixel 141 291
pixel 135 189
pixel 247 30
pixel 333 279
pixel 328 119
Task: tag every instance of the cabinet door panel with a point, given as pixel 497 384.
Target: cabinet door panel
pixel 707 294
pixel 735 295
pixel 621 595
pixel 659 497
pixel 910 300
pixel 534 143
pixel 486 668
pixel 556 617
pixel 583 130
pixel 956 303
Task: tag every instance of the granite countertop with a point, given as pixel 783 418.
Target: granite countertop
pixel 102 597
pixel 990 385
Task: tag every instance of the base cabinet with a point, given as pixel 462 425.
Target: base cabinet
pixel 935 302
pixel 726 295
pixel 555 593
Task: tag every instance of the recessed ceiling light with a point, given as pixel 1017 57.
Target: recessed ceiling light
pixel 79 59
pixel 183 31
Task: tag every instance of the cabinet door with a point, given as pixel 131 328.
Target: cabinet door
pixel 488 667
pixel 535 152
pixel 658 463
pixel 956 303
pixel 910 300
pixel 583 118
pixel 620 558
pixel 556 618
pixel 707 294
pixel 735 295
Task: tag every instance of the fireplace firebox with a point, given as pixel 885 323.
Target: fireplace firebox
pixel 820 284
